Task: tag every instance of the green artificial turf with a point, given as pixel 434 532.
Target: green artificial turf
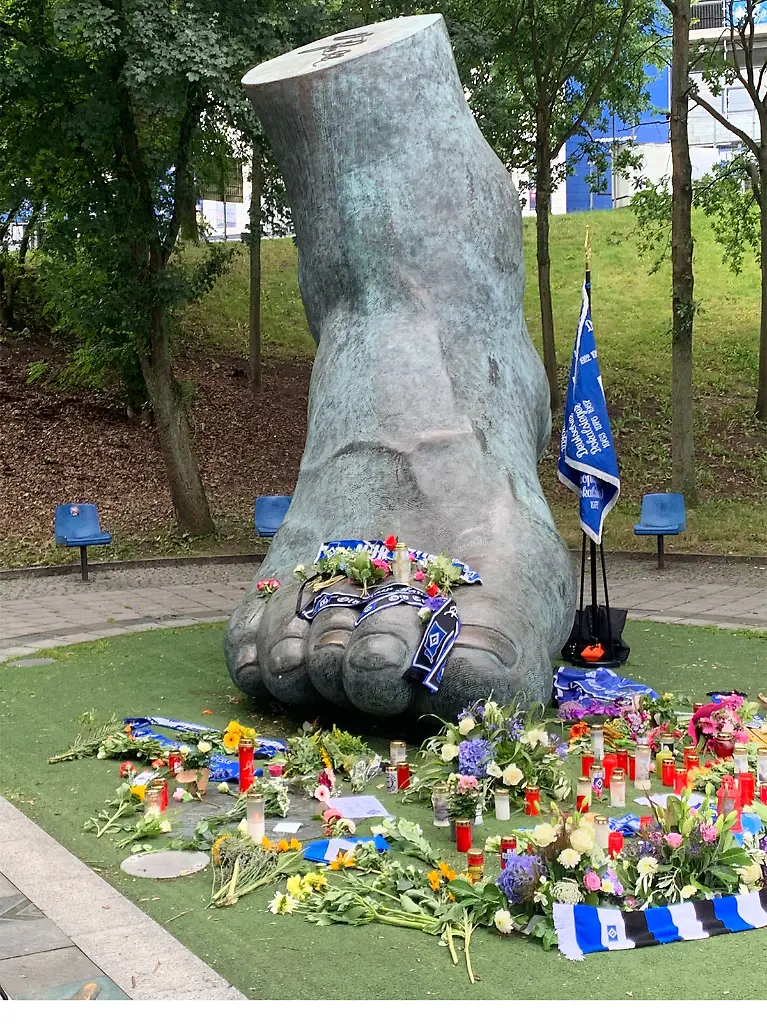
pixel 181 673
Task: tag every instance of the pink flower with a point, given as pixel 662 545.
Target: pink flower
pixel 178 794
pixel 322 793
pixel 380 563
pixel 261 584
pixel 674 840
pixel 419 575
pixel 740 736
pixel 708 833
pixel 466 783
pixel 411 556
pixel 331 814
pixel 274 583
pixel 592 881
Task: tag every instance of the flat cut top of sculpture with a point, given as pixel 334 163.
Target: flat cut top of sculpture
pixel 334 50
pixel 428 406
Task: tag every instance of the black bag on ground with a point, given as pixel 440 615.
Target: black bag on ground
pixel 584 634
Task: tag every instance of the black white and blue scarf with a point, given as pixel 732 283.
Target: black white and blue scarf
pixel 582 929
pixel 438 638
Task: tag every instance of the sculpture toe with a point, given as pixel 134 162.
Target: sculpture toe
pixel 377 658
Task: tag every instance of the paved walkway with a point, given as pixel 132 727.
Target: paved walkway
pixel 65 933
pixel 37 613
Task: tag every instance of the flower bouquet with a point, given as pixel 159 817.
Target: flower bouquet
pixel 195 771
pixel 464 796
pixel 720 726
pixel 329 750
pixel 496 745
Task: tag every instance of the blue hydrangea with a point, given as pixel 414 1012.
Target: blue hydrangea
pixel 474 756
pixel 562 750
pixel 519 878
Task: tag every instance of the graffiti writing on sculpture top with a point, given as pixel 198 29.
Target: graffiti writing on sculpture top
pixel 586 430
pixel 339 47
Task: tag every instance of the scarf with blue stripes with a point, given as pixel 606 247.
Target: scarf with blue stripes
pixel 582 929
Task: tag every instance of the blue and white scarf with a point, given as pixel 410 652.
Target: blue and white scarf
pixel 602 684
pixel 582 929
pixel 377 549
pixel 438 638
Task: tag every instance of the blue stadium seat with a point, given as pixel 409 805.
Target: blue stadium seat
pixel 270 511
pixel 662 515
pixel 78 526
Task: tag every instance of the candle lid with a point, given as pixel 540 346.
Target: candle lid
pixel 462 823
pixel 442 787
pixel 400 546
pixel 599 819
pixel 619 775
pixel 499 791
pixel 584 778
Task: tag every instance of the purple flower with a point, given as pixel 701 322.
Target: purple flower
pixel 519 878
pixel 646 849
pixel 434 604
pixel 474 756
pixel 562 750
pixel 515 727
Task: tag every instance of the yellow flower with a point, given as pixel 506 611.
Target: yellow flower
pixel 294 844
pixel 249 734
pixel 298 886
pixel 215 851
pixel 326 758
pixel 283 846
pixel 446 871
pixel 267 843
pixel 434 880
pixel 316 880
pixel 343 859
pixel 668 696
pixel 231 741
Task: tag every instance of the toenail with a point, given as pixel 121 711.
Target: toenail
pixel 286 655
pixel 334 637
pixel 378 651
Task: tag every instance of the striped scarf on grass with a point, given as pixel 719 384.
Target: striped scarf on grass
pixel 582 929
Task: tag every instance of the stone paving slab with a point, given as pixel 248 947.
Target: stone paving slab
pixel 54 975
pixel 137 954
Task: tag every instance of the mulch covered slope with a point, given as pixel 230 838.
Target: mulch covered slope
pixel 58 448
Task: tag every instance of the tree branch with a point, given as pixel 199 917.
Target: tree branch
pixel 725 122
pixel 188 124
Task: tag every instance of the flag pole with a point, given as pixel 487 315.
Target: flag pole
pixel 593 546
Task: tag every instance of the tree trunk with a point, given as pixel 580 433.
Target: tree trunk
pixel 682 439
pixel 188 229
pixel 542 197
pixel 761 390
pixel 254 346
pixel 174 434
pixel 9 318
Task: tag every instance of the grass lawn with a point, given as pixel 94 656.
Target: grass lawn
pixel 179 673
pixel 632 318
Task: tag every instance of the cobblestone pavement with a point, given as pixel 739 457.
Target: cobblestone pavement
pixel 41 612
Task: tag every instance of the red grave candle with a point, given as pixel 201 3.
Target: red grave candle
pixel 645 821
pixel 614 844
pixel 175 761
pixel 680 780
pixel 632 767
pixel 463 836
pixel 532 801
pixel 247 764
pixel 403 775
pixel 667 772
pixel 586 762
pixel 609 763
pixel 747 787
pixel 763 794
pixel 508 846
pixel 689 752
pixel 622 759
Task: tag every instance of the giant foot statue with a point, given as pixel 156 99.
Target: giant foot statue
pixel 429 407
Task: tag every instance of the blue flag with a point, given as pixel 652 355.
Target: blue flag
pixel 587 462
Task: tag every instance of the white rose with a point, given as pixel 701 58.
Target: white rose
pixel 466 725
pixel 223 787
pixel 183 750
pixel 101 755
pixel 512 776
pixel 494 771
pixel 751 874
pixel 503 922
pixel 535 736
pixel 544 834
pixel 582 839
pixel 165 826
pixel 569 858
pixel 449 752
pixel 203 746
pixel 688 891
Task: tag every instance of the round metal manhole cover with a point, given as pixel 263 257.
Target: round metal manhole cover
pixel 165 864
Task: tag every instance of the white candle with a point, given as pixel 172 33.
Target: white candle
pixel 255 817
pixel 502 808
